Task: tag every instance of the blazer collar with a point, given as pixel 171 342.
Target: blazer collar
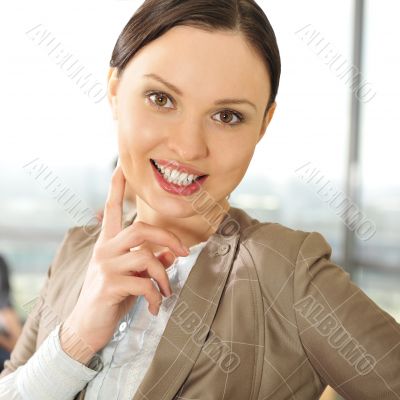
pixel 198 301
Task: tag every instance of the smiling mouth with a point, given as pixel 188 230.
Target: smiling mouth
pixel 159 170
pixel 181 188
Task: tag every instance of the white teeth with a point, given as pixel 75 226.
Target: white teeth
pixel 176 177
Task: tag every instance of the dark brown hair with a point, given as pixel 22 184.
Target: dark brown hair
pixel 155 17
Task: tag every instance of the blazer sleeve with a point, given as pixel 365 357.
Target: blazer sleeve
pixel 351 342
pixel 26 343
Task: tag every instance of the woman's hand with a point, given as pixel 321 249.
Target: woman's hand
pixel 116 275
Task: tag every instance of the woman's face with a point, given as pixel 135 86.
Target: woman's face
pixel 186 125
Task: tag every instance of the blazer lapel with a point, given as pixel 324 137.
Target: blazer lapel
pixel 191 318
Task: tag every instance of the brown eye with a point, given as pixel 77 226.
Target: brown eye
pixel 160 99
pixel 227 116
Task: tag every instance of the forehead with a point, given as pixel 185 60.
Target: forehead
pixel 207 62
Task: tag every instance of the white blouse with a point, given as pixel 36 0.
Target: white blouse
pixel 51 374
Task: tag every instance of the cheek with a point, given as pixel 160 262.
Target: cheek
pixel 137 130
pixel 233 156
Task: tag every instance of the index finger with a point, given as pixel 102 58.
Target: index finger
pixel 112 218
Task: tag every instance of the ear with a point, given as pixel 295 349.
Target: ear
pixel 267 120
pixel 112 91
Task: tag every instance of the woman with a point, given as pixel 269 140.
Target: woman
pixel 191 298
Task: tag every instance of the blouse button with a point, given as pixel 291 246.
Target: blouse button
pixel 223 249
pixel 123 326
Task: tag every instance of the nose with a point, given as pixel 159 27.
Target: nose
pixel 187 140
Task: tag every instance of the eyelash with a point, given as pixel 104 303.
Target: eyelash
pixel 240 117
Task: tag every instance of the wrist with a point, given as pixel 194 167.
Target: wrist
pixel 74 345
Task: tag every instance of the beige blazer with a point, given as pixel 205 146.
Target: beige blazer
pixel 264 314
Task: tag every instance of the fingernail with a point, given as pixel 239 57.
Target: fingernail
pixel 167 293
pixel 155 311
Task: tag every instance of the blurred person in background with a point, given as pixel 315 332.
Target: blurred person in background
pixel 129 198
pixel 10 324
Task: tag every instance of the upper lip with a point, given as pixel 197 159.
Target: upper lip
pixel 181 167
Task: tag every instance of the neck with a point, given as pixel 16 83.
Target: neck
pixel 192 229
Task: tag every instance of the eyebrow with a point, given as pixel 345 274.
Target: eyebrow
pixel 178 91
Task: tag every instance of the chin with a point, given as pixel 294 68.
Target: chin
pixel 175 209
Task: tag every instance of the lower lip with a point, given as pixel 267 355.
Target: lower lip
pixel 176 189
